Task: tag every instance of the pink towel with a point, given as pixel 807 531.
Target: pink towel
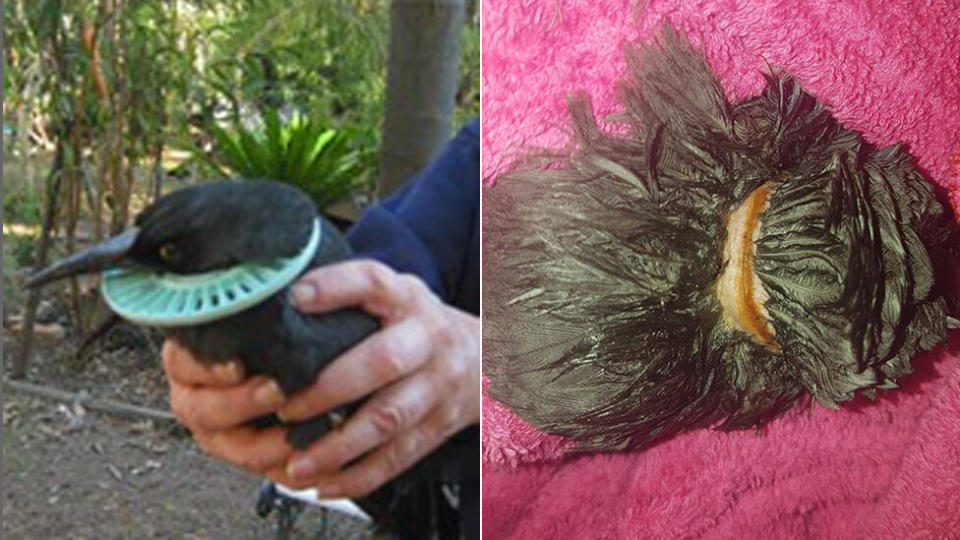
pixel 884 469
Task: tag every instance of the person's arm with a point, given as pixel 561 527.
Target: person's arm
pixel 431 227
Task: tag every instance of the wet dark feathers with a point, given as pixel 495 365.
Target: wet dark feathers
pixel 601 321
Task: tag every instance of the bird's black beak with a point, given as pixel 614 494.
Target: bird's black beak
pixel 93 259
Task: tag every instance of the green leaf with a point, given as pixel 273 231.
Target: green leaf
pixel 275 154
pixel 257 155
pixel 235 157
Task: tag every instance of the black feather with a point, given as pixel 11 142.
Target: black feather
pixel 601 316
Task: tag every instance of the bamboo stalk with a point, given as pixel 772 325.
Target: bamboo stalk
pixel 125 164
pixel 104 20
pixel 76 191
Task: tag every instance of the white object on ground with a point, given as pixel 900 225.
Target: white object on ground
pixel 309 496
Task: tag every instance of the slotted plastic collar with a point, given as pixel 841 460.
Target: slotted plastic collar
pixel 165 299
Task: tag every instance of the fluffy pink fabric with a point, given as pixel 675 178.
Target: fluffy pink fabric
pixel 879 470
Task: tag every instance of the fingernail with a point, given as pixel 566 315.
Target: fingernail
pixel 303 294
pixel 302 467
pixel 269 394
pixel 228 372
pixel 288 412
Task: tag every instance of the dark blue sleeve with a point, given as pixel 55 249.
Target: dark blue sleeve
pixel 431 227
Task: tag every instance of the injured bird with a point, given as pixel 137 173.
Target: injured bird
pixel 211 265
pixel 708 264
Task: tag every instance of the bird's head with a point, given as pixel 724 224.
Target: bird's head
pixel 200 228
pixel 206 252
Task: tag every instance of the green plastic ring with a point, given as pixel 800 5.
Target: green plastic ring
pixel 165 299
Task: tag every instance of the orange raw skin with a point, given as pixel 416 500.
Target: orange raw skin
pixel 747 307
pixel 738 289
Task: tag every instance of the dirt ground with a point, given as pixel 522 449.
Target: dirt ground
pixel 69 472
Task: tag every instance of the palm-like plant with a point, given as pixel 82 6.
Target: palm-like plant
pixel 327 163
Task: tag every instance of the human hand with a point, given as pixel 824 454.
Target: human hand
pixel 421 370
pixel 216 403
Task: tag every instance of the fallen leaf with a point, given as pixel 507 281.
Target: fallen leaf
pixel 145 425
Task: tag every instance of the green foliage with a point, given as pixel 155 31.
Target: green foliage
pixel 24 251
pixel 6 80
pixel 468 96
pixel 326 57
pixel 325 162
pixel 21 206
pixel 18 253
pixel 172 68
pixel 10 268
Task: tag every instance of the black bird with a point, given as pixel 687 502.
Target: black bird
pixel 218 226
pixel 707 262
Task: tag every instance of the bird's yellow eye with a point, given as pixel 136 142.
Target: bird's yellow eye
pixel 168 252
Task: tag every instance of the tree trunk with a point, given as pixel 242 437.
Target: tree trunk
pixel 74 170
pixel 422 77
pixel 126 162
pixel 118 198
pixel 103 103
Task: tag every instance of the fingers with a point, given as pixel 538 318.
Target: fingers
pixel 183 368
pixel 370 285
pixel 203 408
pixel 256 450
pixel 387 461
pixel 383 358
pixel 280 476
pixel 392 411
pixel 422 368
pixel 419 368
pixel 214 401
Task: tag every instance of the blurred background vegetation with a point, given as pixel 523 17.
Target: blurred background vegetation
pixel 109 103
